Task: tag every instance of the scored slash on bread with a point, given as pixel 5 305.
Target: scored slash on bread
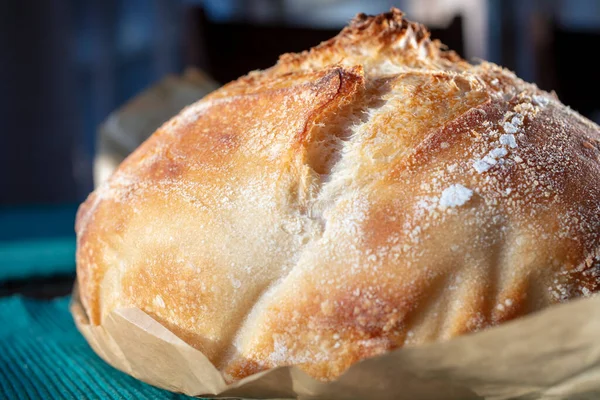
pixel 374 192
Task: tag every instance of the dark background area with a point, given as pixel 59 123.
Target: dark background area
pixel 65 65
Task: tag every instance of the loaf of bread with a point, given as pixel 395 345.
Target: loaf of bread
pixel 372 193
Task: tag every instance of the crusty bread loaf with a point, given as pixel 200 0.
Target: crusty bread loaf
pixel 374 192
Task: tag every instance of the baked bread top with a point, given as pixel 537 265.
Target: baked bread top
pixel 374 192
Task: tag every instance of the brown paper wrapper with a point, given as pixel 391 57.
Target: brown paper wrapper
pixel 553 354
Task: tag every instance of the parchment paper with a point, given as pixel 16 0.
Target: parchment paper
pixel 553 354
pixel 126 128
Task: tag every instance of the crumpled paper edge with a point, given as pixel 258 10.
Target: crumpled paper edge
pixel 552 354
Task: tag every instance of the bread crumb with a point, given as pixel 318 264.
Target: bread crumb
pixel 481 166
pixel 508 140
pixel 455 195
pixel 498 152
pixel 517 120
pixel 489 160
pixel 509 127
pixel 540 101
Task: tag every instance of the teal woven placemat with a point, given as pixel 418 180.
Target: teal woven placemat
pixel 43 356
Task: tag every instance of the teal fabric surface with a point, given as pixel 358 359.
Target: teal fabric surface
pixel 38 258
pixel 37 222
pixel 37 242
pixel 43 356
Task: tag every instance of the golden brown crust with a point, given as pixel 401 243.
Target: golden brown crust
pixel 371 193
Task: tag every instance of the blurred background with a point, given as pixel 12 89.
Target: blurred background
pixel 66 66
